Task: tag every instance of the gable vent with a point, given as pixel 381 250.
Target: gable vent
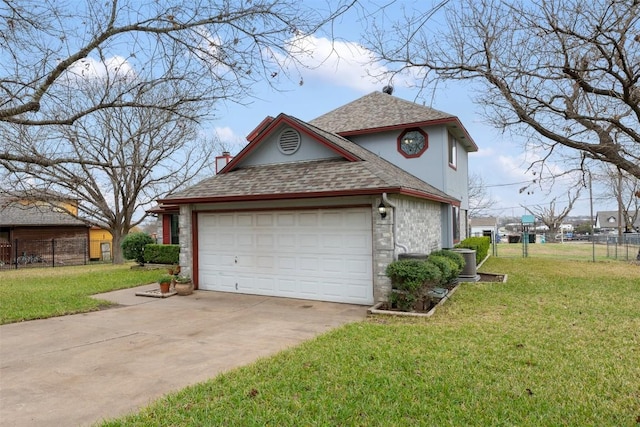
pixel 289 141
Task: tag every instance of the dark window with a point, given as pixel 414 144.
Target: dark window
pixel 455 211
pixel 175 230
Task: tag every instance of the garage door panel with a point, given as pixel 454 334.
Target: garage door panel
pixel 322 254
pixel 286 242
pixel 285 219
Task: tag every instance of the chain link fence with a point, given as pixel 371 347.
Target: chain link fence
pixel 593 248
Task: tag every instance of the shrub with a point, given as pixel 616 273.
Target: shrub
pixel 411 274
pixel 404 301
pixel 480 244
pixel 448 267
pixel 162 254
pixel 410 279
pixel 133 246
pixel 457 258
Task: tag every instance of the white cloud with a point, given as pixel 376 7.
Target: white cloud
pixel 339 63
pixel 91 68
pixel 229 139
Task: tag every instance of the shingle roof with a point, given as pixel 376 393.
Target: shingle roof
pixel 374 111
pixel 14 213
pixel 370 174
pixel 602 218
pixel 380 111
pixel 483 221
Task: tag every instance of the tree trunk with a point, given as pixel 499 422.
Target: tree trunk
pixel 117 249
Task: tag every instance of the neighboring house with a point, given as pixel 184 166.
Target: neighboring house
pixel 317 210
pixel 607 221
pixel 23 219
pixel 485 226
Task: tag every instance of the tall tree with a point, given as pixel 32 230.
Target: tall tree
pixel 216 49
pixel 480 200
pixel 564 73
pixel 131 156
pixel 548 214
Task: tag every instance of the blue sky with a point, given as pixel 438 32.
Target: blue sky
pixel 338 79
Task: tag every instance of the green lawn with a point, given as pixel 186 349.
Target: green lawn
pixel 557 345
pixel 575 250
pixel 37 293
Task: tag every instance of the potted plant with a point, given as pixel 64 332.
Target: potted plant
pixel 165 283
pixel 183 285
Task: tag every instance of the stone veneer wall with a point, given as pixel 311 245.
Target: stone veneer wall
pixel 383 251
pixel 186 258
pixel 418 228
pixel 419 224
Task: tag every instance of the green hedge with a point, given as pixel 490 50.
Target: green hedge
pixel 133 246
pixel 411 274
pixel 453 256
pixel 480 244
pixel 162 254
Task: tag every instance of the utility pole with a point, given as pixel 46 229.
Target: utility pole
pixel 593 238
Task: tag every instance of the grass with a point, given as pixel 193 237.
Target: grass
pixel 28 294
pixel 583 251
pixel 557 345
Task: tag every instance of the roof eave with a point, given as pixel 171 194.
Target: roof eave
pixel 469 142
pixel 271 125
pixel 312 195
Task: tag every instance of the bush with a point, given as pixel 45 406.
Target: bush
pixel 133 246
pixel 411 278
pixel 480 244
pixel 457 258
pixel 411 274
pixel 448 267
pixel 162 254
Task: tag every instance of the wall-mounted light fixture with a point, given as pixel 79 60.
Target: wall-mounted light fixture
pixel 382 210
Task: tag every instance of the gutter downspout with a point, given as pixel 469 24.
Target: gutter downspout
pixel 395 221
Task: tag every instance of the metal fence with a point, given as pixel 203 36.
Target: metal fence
pixel 598 247
pixel 22 253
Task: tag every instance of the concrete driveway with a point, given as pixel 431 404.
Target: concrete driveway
pixel 80 369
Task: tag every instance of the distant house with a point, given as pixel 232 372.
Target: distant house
pixel 27 219
pixel 607 221
pixel 483 226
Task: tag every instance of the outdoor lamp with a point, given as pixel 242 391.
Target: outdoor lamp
pixel 382 210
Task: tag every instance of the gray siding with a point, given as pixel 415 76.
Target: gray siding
pixel 268 152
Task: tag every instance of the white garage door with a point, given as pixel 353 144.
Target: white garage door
pixel 322 254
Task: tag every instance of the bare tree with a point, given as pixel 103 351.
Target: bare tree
pixel 548 215
pixel 623 187
pixel 480 200
pixel 563 73
pixel 216 49
pixel 131 157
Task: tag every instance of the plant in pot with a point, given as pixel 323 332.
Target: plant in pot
pixel 174 270
pixel 165 283
pixel 183 285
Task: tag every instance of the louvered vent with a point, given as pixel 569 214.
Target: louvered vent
pixel 289 142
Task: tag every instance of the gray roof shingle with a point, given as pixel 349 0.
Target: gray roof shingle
pixel 375 111
pixel 14 213
pixel 370 174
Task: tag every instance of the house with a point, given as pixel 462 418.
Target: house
pixel 317 210
pixel 607 221
pixel 25 219
pixel 483 226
